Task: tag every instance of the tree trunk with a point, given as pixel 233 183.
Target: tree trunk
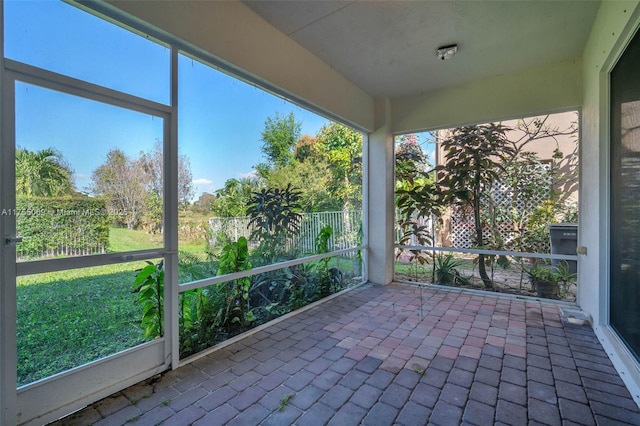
pixel 479 233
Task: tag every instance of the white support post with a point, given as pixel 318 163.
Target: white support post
pixel 380 172
pixel 171 291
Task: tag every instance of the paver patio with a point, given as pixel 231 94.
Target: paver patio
pixel 396 354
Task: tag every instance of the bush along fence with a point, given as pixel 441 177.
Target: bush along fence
pixel 346 226
pixel 52 227
pixel 212 313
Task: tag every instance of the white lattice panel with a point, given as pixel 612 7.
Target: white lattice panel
pixel 462 232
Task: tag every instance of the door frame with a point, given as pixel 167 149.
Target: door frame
pixel 620 355
pixel 50 398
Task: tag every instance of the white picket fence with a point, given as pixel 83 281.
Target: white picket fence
pixel 344 224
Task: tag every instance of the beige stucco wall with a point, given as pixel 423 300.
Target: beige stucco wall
pixel 540 90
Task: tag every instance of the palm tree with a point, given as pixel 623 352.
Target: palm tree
pixel 42 173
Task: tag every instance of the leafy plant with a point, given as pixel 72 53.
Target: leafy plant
pixel 42 173
pixel 235 258
pixel 322 246
pixel 276 309
pixel 550 282
pixel 276 215
pixel 474 157
pixel 149 284
pixel 342 147
pixel 446 272
pixel 298 284
pixel 415 198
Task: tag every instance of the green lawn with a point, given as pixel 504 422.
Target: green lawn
pixel 122 239
pixel 69 318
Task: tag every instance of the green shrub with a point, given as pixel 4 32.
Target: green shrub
pixel 57 226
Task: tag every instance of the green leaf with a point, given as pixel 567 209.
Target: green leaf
pixel 144 274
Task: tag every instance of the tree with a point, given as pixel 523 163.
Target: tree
pixel 124 183
pixel 276 216
pixel 313 177
pixel 203 203
pixel 279 136
pixel 410 159
pixel 343 149
pixel 153 163
pixel 475 155
pixel 415 195
pixel 42 173
pixel 233 199
pixel 310 172
pixel 307 148
pixel 134 188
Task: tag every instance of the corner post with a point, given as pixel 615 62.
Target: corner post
pixel 381 172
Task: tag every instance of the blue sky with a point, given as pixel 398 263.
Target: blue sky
pixel 220 119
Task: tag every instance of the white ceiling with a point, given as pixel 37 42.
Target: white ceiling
pixel 388 48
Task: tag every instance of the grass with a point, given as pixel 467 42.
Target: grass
pixel 122 239
pixel 284 401
pixel 69 318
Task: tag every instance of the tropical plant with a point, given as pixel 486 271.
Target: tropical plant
pixel 298 284
pixel 322 246
pixel 42 173
pixel 551 282
pixel 275 215
pixel 235 258
pixel 474 157
pixel 149 284
pixel 312 177
pixel 446 271
pixel 233 199
pixel 415 198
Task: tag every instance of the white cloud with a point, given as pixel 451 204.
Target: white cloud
pixel 202 181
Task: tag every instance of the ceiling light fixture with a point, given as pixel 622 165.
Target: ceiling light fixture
pixel 446 52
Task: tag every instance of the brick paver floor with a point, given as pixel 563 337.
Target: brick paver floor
pixel 397 354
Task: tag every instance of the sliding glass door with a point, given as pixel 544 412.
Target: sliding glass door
pixel 625 198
